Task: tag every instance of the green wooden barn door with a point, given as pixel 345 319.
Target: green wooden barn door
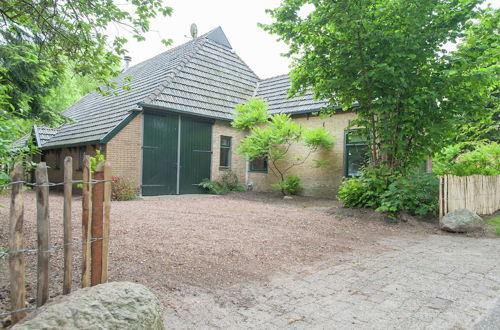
pixel 195 154
pixel 159 164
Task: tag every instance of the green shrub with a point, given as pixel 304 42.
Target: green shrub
pixel 415 193
pixel 468 158
pixel 228 182
pixel 290 186
pixel 365 191
pixel 122 189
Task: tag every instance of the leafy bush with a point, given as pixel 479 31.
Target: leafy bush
pixel 290 186
pixel 468 158
pixel 228 182
pixel 415 193
pixel 122 189
pixel 365 191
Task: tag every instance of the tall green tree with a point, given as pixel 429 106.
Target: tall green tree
pixel 42 40
pixel 474 69
pixel 386 56
pixel 40 37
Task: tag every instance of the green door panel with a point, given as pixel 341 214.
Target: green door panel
pixel 195 154
pixel 159 164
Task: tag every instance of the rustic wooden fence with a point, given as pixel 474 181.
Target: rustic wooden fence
pixel 478 193
pixel 96 206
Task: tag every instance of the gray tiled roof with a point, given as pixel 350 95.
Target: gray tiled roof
pixel 210 85
pixel 203 77
pixel 44 134
pixel 275 91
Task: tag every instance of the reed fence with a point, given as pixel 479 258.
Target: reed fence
pixel 478 193
pixel 96 206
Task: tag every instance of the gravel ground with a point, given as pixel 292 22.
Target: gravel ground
pixel 177 245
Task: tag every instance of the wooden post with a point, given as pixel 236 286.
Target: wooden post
pixel 86 222
pixel 43 229
pixel 97 226
pixel 106 223
pixel 16 242
pixel 68 236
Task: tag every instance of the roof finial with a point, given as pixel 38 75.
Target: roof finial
pixel 194 31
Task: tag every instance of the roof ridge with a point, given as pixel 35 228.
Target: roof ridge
pixel 175 71
pixel 280 75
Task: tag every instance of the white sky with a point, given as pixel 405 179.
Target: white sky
pixel 238 19
pixel 260 50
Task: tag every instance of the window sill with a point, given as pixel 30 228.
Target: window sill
pixel 257 171
pixel 224 168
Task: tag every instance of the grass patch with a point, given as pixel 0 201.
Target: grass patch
pixel 495 222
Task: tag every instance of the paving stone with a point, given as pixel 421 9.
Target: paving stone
pixel 437 282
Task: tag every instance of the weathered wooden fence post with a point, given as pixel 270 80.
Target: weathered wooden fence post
pixel 86 221
pixel 43 228
pixel 68 235
pixel 106 223
pixel 16 242
pixel 97 225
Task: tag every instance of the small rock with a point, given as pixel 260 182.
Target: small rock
pixel 287 197
pixel 461 221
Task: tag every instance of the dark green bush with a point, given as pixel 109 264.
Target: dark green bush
pixel 228 182
pixel 290 186
pixel 415 193
pixel 365 191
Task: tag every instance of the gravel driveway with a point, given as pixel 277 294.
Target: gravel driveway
pixel 217 249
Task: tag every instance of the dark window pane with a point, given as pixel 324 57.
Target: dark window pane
pixel 224 157
pixel 58 159
pixel 225 151
pixel 225 141
pixel 258 164
pixel 80 158
pixel 356 159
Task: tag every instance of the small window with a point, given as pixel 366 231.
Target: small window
pixel 356 153
pixel 225 151
pixel 58 159
pixel 258 165
pixel 81 155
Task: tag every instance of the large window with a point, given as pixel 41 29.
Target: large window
pixel 355 153
pixel 225 151
pixel 258 165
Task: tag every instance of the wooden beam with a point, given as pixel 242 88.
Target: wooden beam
pixel 106 223
pixel 43 232
pixel 97 226
pixel 16 242
pixel 86 221
pixel 68 235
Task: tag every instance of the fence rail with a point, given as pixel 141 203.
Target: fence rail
pixel 478 193
pixel 95 232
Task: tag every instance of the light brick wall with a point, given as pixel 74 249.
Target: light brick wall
pixel 123 151
pixel 238 162
pixel 316 181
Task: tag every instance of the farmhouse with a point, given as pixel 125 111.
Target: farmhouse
pixel 172 129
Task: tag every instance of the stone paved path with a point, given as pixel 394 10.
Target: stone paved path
pixel 436 282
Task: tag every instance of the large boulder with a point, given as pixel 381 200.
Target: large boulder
pixel 115 305
pixel 461 221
